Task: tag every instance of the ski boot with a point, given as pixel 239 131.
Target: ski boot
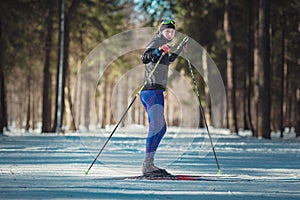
pixel 150 170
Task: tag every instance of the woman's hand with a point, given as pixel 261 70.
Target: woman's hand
pixel 165 48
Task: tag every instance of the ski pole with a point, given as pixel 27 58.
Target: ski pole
pixel 201 109
pixel 124 114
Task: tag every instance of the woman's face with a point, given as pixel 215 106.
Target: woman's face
pixel 169 33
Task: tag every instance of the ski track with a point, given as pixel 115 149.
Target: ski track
pixel 51 166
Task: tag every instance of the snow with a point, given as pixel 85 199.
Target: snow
pixel 52 166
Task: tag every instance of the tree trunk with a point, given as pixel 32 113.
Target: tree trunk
pixel 66 74
pixel 34 96
pixel 78 97
pixel 133 110
pixel 256 71
pixel 100 89
pixel 57 71
pixel 244 98
pixel 3 108
pixel 264 75
pixel 207 110
pixel 66 45
pixel 286 107
pixel 283 66
pixel 71 121
pixel 46 110
pixel 104 94
pixel 297 91
pixel 119 101
pixel 109 104
pixel 250 65
pixel 27 126
pixel 107 116
pixel 168 107
pixel 232 121
pixel 297 128
pixel 129 87
pixel 87 108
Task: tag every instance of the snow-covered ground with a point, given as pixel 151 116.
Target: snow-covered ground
pixel 52 166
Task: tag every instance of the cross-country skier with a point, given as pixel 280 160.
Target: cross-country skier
pixel 152 94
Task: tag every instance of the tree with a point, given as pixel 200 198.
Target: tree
pixel 202 21
pixel 12 42
pixel 46 110
pixel 255 55
pixel 248 81
pixel 65 62
pixel 297 129
pixel 232 120
pixel 282 71
pixel 263 129
pixel 3 108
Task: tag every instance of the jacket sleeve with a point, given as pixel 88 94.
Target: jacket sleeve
pixel 150 56
pixel 173 57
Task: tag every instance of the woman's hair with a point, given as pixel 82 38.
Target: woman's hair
pixel 159 23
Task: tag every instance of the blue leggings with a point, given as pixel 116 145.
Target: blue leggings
pixel 153 101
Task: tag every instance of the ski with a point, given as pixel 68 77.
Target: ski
pixel 178 177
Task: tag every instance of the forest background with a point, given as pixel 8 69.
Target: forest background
pixel 254 43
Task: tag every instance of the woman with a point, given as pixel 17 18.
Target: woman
pixel 152 94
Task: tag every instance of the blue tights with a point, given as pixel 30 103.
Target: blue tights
pixel 153 101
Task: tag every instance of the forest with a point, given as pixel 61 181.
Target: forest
pixel 254 44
